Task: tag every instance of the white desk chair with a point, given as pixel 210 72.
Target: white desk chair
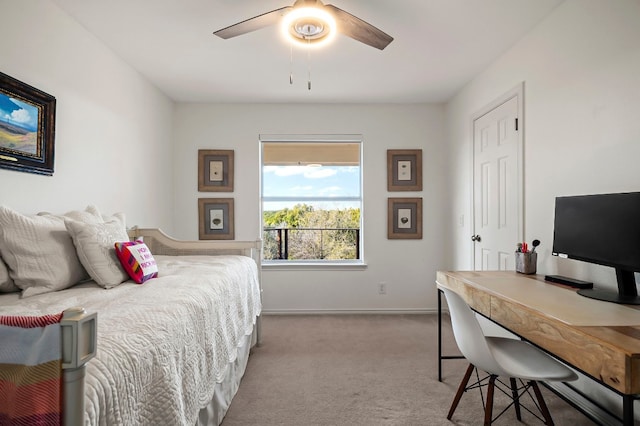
pixel 499 356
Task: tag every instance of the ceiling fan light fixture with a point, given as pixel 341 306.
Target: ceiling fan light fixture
pixel 309 27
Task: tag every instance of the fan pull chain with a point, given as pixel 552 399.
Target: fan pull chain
pixel 291 64
pixel 309 64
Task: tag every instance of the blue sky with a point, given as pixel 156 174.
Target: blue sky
pixel 16 112
pixel 309 181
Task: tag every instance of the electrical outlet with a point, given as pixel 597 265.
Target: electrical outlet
pixel 382 288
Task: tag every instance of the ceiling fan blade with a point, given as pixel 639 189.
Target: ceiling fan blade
pixel 357 29
pixel 253 24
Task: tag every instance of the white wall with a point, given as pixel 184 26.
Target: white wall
pixel 113 129
pixel 581 68
pixel 407 266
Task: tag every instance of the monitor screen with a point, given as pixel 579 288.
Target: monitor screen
pixel 603 229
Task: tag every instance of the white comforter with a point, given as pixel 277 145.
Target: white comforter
pixel 162 345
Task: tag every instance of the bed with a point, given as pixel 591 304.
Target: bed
pixel 171 350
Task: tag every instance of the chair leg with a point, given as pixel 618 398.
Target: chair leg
pixel 461 389
pixel 488 411
pixel 543 406
pixel 516 400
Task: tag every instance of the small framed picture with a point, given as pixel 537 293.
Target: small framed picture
pixel 215 170
pixel 404 170
pixel 27 127
pixel 215 219
pixel 404 218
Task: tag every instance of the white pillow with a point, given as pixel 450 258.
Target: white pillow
pixel 39 252
pixel 95 247
pixel 6 283
pixel 89 215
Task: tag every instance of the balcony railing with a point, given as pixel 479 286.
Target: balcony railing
pixel 311 243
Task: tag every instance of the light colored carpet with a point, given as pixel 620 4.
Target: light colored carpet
pixel 362 370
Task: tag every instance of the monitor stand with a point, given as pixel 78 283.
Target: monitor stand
pixel 627 293
pixel 609 296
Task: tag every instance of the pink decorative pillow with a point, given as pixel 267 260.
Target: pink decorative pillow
pixel 137 260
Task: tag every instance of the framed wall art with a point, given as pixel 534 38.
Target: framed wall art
pixel 215 219
pixel 215 170
pixel 404 218
pixel 404 170
pixel 27 127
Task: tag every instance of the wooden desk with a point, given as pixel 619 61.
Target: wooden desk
pixel 599 338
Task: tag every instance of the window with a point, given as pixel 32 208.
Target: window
pixel 311 192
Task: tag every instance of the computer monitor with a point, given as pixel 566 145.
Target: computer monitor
pixel 603 229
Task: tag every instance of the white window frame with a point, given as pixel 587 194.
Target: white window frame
pixel 317 138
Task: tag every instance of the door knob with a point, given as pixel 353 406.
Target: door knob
pixel 476 238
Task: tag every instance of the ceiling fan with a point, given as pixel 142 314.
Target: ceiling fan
pixel 310 22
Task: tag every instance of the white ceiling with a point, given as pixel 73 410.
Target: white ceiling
pixel 439 46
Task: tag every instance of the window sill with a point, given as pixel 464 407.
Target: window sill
pixel 288 265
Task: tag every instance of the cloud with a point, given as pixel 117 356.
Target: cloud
pixel 331 191
pixel 350 169
pixel 26 116
pixel 318 172
pixel 284 171
pixel 305 188
pixel 20 116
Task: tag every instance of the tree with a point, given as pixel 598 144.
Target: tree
pixel 289 218
pixel 313 234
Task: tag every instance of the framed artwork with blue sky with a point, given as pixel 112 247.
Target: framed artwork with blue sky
pixel 27 127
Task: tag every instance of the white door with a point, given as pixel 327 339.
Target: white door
pixel 497 187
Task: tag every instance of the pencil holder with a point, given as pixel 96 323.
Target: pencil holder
pixel 526 262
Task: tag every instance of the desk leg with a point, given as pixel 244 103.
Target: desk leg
pixel 439 335
pixel 440 356
pixel 627 410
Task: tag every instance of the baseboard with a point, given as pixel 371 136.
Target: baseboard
pixel 348 311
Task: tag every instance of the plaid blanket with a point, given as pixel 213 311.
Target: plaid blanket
pixel 30 370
